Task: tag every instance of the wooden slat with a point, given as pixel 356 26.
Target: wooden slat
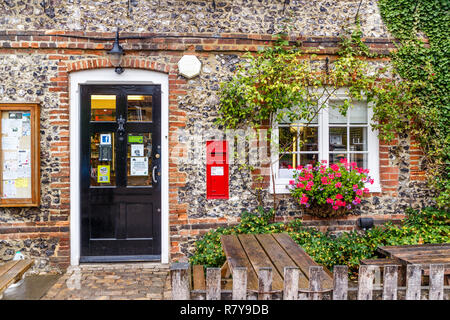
pixel 198 276
pixel 301 258
pixel 236 257
pixel 259 259
pixel 365 282
pixel 390 280
pixel 180 281
pixel 15 273
pixel 315 282
pixel 213 291
pixel 8 265
pixel 429 260
pixel 340 282
pixel 279 257
pixel 265 281
pixel 290 290
pixel 392 250
pixel 239 291
pixel 436 282
pixel 379 262
pixel 413 282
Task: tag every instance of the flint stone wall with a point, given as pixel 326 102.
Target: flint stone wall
pixel 309 18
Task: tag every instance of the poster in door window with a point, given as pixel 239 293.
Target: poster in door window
pixel 103 174
pixel 139 166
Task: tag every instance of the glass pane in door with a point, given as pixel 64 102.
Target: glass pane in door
pixel 139 107
pixel 102 171
pixel 139 159
pixel 103 107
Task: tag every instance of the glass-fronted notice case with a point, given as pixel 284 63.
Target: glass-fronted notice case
pixel 19 155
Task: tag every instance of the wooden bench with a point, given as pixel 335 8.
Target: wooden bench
pixel 12 272
pixel 277 251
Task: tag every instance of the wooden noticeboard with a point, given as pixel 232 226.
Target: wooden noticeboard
pixel 19 155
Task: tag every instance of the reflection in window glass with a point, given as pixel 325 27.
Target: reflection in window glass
pixel 139 159
pixel 360 159
pixel 309 139
pixel 358 139
pixel 103 108
pixel 102 159
pixel 139 108
pixel 338 138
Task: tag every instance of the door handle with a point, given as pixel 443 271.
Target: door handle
pixel 153 174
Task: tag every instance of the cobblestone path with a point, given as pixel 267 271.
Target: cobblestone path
pixel 124 281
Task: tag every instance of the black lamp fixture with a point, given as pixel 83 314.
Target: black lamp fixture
pixel 116 54
pixel 365 223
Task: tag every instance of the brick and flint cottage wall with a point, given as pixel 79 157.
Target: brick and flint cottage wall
pixel 41 42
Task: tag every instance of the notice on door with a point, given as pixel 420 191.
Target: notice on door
pixel 216 171
pixel 139 166
pixel 103 174
pixel 137 150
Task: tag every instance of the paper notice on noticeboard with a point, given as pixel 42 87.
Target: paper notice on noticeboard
pixel 24 171
pixel 10 143
pixel 9 189
pixel 24 156
pixel 22 183
pixel 10 156
pixel 14 128
pixel 10 171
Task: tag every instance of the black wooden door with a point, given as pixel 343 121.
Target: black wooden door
pixel 120 173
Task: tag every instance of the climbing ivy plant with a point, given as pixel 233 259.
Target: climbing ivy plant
pixel 422 28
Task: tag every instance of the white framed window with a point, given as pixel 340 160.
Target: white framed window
pixel 331 137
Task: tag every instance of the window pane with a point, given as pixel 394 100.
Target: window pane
pixel 287 160
pixel 336 157
pixel 338 138
pixel 310 138
pixel 288 139
pixel 335 117
pixel 360 159
pixel 292 117
pixel 139 159
pixel 139 108
pixel 358 139
pixel 103 108
pixel 358 113
pixel 102 159
pixel 308 158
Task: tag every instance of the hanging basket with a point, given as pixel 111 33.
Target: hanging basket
pixel 325 211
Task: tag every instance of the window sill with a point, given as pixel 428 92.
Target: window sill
pixel 282 188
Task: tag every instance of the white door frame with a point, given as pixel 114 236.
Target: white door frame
pixel 109 76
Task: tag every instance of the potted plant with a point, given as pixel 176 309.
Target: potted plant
pixel 329 191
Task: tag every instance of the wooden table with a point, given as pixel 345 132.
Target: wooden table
pixel 277 251
pixel 422 254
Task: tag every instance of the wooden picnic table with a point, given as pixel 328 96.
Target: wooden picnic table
pixel 421 254
pixel 277 251
pixel 424 254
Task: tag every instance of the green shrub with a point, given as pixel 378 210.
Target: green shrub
pixel 429 225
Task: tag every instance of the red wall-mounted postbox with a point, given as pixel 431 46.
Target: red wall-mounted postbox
pixel 216 170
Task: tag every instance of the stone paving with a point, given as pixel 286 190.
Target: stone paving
pixel 124 281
